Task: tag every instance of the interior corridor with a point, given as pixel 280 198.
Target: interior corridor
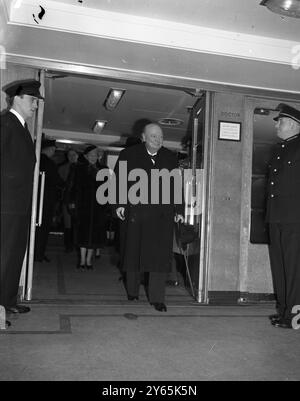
pixel 60 280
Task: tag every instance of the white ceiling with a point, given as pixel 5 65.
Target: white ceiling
pixel 262 59
pixel 74 103
pixel 244 16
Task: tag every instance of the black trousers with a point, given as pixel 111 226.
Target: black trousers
pixel 14 234
pixel 285 264
pixel 156 285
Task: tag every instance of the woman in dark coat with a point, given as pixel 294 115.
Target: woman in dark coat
pixel 101 165
pixel 90 215
pixel 67 173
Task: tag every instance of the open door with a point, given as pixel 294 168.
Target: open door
pixel 196 187
pixel 37 200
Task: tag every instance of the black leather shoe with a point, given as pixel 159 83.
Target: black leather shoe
pixel 79 266
pixel 7 323
pixel 274 318
pixel 18 309
pixel 159 306
pixel 89 267
pixel 132 298
pixel 46 259
pixel 283 324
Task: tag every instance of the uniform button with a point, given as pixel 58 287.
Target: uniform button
pixel 272 182
pixel 283 146
pixel 289 162
pixel 278 157
pixel 272 195
pixel 275 170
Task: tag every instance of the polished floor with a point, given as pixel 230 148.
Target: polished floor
pixel 82 327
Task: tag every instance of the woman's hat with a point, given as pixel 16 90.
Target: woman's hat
pixel 89 149
pixel 48 143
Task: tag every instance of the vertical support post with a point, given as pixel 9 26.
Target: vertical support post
pixel 39 128
pixel 205 206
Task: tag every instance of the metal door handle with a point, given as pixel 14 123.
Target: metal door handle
pixel 41 203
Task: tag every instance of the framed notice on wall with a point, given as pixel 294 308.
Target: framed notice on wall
pixel 229 131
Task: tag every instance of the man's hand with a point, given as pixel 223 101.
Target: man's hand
pixel 121 213
pixel 179 218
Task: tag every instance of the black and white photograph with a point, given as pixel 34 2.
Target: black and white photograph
pixel 150 194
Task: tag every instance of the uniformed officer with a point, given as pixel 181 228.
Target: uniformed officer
pixel 17 168
pixel 283 215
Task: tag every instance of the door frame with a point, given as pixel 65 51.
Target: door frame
pixel 200 285
pixel 202 295
pixel 27 292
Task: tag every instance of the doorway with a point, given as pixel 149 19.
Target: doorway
pixel 186 126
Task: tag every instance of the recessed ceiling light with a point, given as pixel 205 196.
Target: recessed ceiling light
pixel 170 122
pixel 113 98
pixel 99 126
pixel 69 141
pixel 288 8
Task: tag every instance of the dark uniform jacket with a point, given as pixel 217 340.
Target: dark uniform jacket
pixel 17 166
pixel 146 234
pixel 283 204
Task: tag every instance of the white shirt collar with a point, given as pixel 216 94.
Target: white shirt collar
pixel 19 117
pixel 151 154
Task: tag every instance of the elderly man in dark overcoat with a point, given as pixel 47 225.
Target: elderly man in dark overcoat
pixel 17 168
pixel 147 227
pixel 283 216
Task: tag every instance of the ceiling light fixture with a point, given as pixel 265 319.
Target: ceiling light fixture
pixel 113 98
pixel 170 122
pixel 99 126
pixel 69 141
pixel 288 8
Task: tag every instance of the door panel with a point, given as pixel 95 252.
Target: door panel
pixel 196 185
pixel 35 202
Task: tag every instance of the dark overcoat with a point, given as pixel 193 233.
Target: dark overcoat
pixel 146 234
pixel 90 215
